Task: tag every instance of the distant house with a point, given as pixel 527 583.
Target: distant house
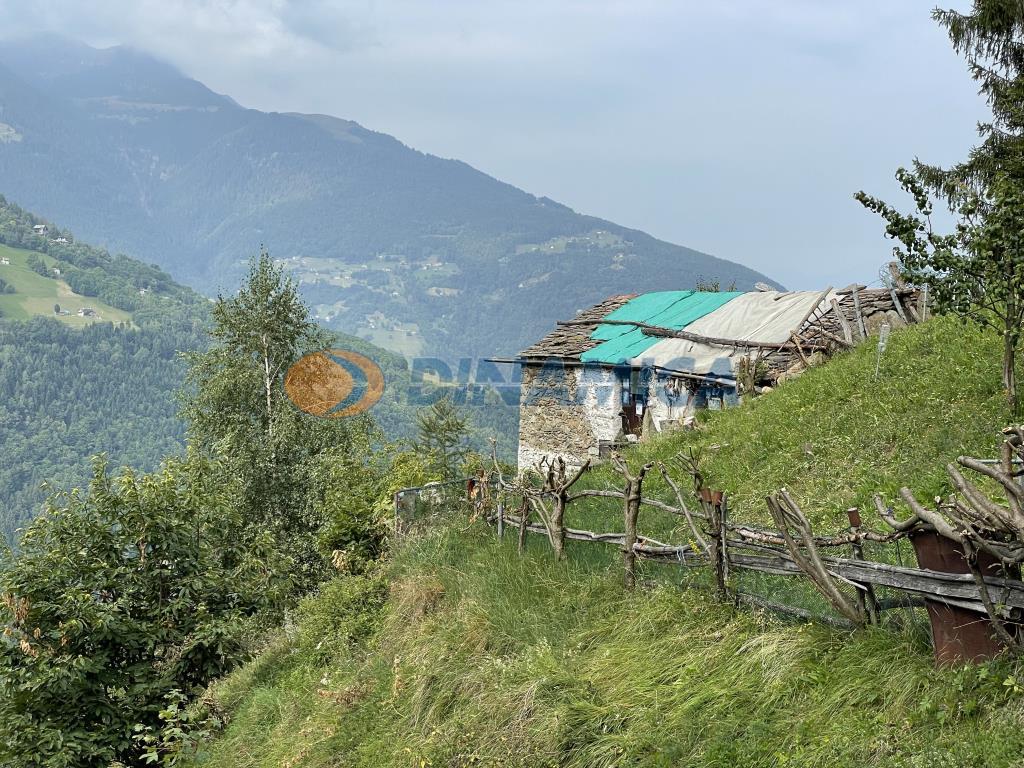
pixel 61 241
pixel 56 271
pixel 41 229
pixel 5 262
pixel 87 312
pixel 636 364
pixel 143 291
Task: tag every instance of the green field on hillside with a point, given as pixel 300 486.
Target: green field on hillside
pixel 462 653
pixel 35 295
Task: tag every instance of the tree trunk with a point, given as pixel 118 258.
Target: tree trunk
pixel 558 524
pixel 1011 338
pixel 268 388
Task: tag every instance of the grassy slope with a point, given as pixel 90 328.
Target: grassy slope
pixel 482 658
pixel 837 435
pixel 35 295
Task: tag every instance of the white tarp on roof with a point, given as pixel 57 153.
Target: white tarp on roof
pixel 768 316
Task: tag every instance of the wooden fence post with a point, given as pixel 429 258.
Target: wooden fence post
pixel 857 311
pixel 501 518
pixel 713 503
pixel 524 520
pixel 723 517
pixel 558 483
pixel 558 523
pixel 631 511
pixel 398 514
pixel 843 322
pixel 867 601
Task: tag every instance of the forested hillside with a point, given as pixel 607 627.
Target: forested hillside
pixel 130 593
pixel 107 383
pixel 77 386
pixel 417 253
pixel 70 394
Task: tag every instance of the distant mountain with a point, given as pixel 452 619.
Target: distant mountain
pixel 417 253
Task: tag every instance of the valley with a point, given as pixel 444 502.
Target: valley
pixel 322 451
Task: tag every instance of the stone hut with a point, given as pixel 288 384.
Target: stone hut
pixel 634 365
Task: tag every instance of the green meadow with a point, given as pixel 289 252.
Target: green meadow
pixel 35 295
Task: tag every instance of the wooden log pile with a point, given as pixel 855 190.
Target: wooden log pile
pixel 850 317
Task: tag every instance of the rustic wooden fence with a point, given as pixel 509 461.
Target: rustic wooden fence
pixel 969 546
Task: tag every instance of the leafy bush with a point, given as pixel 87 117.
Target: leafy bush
pixel 345 612
pixel 119 598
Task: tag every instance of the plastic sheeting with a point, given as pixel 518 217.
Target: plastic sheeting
pixel 666 309
pixel 767 316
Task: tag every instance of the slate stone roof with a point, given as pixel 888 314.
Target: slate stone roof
pixel 569 342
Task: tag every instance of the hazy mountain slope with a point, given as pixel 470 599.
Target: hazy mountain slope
pixel 408 249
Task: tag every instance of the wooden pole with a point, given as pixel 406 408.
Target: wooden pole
pixel 524 520
pixel 843 322
pixel 713 512
pixel 558 523
pixel 632 497
pixel 811 311
pixel 866 598
pixel 723 528
pixel 803 357
pixel 857 311
pixel 632 511
pixel 899 307
pixel 655 330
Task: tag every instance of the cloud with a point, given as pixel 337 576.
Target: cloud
pixel 739 127
pixel 192 31
pixel 325 23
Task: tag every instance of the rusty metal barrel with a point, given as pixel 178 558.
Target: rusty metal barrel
pixel 959 635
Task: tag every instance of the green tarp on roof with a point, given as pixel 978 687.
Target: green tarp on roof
pixel 666 309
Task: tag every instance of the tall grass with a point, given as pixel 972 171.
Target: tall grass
pixel 481 657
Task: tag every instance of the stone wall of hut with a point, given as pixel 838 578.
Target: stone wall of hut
pixel 566 412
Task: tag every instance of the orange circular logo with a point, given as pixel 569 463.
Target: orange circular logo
pixel 334 383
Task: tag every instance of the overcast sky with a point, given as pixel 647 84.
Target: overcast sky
pixel 738 127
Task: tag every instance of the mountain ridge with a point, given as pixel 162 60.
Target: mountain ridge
pixel 393 244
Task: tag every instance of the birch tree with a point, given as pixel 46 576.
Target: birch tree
pixel 237 408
